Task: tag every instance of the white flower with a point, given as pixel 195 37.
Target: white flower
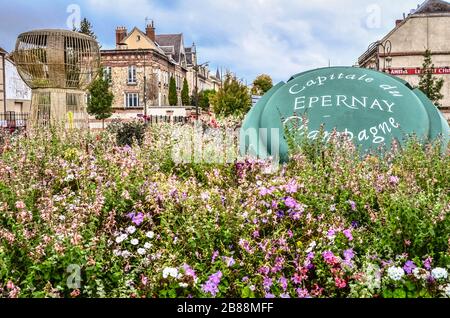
pixel 62 218
pixel 131 230
pixel 170 271
pixel 141 251
pixel 420 273
pixel 447 290
pixel 184 285
pixel 311 247
pixel 147 246
pixel 395 273
pixel 121 238
pixel 126 254
pixel 117 252
pixel 150 235
pixel 439 273
pixel 69 178
pixel 134 242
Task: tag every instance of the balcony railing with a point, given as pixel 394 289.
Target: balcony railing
pixel 14 121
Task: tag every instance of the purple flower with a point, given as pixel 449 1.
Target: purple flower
pixel 136 219
pixel 394 180
pixel 269 295
pixel 285 295
pixel 352 205
pixel 409 267
pixel 349 254
pixel 267 283
pixel 211 286
pixel 189 271
pixel 355 224
pixel 331 233
pixel 427 263
pixel 245 279
pixel 291 187
pixel 283 282
pixel 348 234
pixel 214 256
pixel 329 257
pixel 291 203
pixel 229 261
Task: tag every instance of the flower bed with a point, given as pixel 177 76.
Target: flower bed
pixel 82 217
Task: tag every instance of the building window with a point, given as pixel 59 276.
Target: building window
pixel 132 100
pixel 107 74
pixel 132 74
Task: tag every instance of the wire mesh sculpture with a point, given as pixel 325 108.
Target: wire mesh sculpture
pixel 58 65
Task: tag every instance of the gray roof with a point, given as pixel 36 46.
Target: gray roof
pixel 433 6
pixel 168 40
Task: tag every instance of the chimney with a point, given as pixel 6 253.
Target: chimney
pixel 121 34
pixel 150 31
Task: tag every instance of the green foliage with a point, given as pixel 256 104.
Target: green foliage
pixel 329 222
pixel 430 84
pixel 173 96
pixel 233 99
pixel 129 133
pixel 262 84
pixel 100 98
pixel 86 28
pixel 205 97
pixel 185 93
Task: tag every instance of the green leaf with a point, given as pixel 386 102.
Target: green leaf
pixel 399 293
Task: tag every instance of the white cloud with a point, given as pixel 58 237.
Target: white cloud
pixel 277 37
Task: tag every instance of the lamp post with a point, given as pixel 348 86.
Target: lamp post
pixel 197 68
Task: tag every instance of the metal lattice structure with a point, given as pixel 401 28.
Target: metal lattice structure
pixel 58 65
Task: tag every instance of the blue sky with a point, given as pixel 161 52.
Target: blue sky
pixel 249 37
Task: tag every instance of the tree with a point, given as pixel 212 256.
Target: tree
pixel 233 99
pixel 205 97
pixel 429 84
pixel 262 84
pixel 185 93
pixel 101 99
pixel 86 28
pixel 173 97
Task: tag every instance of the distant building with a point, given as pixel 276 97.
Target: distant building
pixel 401 51
pixel 15 95
pixel 138 55
pixel 199 76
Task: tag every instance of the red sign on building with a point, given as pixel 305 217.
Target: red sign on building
pixel 417 71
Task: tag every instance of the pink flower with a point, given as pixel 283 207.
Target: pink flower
pixel 20 205
pixel 348 234
pixel 302 293
pixel 340 283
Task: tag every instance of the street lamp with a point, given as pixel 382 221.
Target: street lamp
pixel 197 68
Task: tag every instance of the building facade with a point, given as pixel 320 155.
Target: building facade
pixel 15 95
pixel 140 68
pixel 401 51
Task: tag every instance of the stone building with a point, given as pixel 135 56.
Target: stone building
pixel 140 55
pixel 401 51
pixel 199 76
